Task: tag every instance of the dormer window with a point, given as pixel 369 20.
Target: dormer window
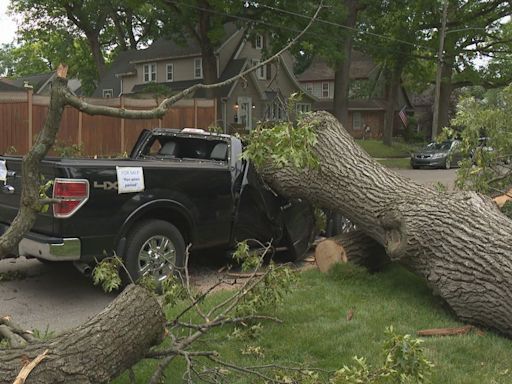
pixel 261 72
pixel 149 72
pixel 170 72
pixel 325 90
pixel 198 68
pixel 258 43
pixel 108 93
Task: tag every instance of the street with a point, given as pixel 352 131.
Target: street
pixel 57 297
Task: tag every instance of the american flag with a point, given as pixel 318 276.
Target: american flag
pixel 403 116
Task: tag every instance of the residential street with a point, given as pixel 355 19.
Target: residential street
pixel 58 297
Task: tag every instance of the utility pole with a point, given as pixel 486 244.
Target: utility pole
pixel 440 59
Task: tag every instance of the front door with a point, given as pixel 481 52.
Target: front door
pixel 245 112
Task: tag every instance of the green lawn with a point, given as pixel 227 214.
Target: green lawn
pixel 317 333
pixel 376 148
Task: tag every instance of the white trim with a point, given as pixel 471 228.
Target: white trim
pixel 167 66
pixel 294 79
pixel 328 90
pixel 228 40
pixel 107 91
pixel 200 61
pixel 359 119
pixel 261 43
pixel 240 48
pixel 149 66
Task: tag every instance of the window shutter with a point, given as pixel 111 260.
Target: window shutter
pixel 269 71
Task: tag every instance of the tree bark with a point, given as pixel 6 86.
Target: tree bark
pixel 97 351
pixel 458 241
pixel 355 247
pixel 342 72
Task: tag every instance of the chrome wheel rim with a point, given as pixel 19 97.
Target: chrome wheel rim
pixel 157 257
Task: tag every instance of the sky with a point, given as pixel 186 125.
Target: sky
pixel 7 25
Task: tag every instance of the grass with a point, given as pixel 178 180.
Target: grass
pixel 317 333
pixel 376 148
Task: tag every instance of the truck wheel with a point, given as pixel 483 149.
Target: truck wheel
pixel 155 248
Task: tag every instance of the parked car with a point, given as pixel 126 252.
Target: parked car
pixel 176 188
pixel 438 155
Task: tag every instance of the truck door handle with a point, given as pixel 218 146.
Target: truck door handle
pixel 8 189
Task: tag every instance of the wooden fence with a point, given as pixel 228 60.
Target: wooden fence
pixel 22 116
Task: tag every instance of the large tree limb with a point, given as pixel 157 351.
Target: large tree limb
pixel 459 242
pixel 98 350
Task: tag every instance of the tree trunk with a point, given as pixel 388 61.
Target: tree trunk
pixel 97 55
pixel 393 85
pixel 458 241
pixel 355 247
pixel 97 351
pixel 207 50
pixel 342 71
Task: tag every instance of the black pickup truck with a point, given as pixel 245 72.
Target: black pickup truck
pixel 176 188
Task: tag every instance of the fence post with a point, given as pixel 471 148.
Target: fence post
pixel 121 103
pixel 215 112
pixel 195 112
pixel 30 93
pixel 80 125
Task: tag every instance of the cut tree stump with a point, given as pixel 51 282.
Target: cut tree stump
pixel 97 351
pixel 355 247
pixel 459 242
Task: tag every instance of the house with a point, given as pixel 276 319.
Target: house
pixel 367 102
pixel 168 66
pixel 40 83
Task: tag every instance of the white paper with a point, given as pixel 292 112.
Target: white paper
pixel 3 171
pixel 130 179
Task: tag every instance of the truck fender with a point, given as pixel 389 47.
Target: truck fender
pixel 160 204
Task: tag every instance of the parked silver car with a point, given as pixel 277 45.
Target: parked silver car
pixel 438 155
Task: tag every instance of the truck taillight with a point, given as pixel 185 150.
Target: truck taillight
pixel 73 193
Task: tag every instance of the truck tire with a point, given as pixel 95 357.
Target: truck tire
pixel 154 247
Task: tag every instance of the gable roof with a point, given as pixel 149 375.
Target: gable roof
pixel 361 67
pixel 161 49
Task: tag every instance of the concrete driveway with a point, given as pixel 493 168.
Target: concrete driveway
pixel 58 297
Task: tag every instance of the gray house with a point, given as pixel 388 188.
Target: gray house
pixel 40 83
pixel 260 96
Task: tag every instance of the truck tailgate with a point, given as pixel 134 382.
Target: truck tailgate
pixel 11 193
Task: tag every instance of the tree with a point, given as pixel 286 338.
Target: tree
pixel 474 29
pixel 460 243
pixel 395 43
pixel 487 140
pixel 84 32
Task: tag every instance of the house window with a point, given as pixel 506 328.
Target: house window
pixel 261 72
pixel 275 111
pixel 149 72
pixel 303 107
pixel 108 93
pixel 325 90
pixel 198 68
pixel 170 72
pixel 357 121
pixel 258 41
pixel 309 87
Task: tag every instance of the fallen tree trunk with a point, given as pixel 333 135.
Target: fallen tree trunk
pixel 355 247
pixel 97 351
pixel 458 241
